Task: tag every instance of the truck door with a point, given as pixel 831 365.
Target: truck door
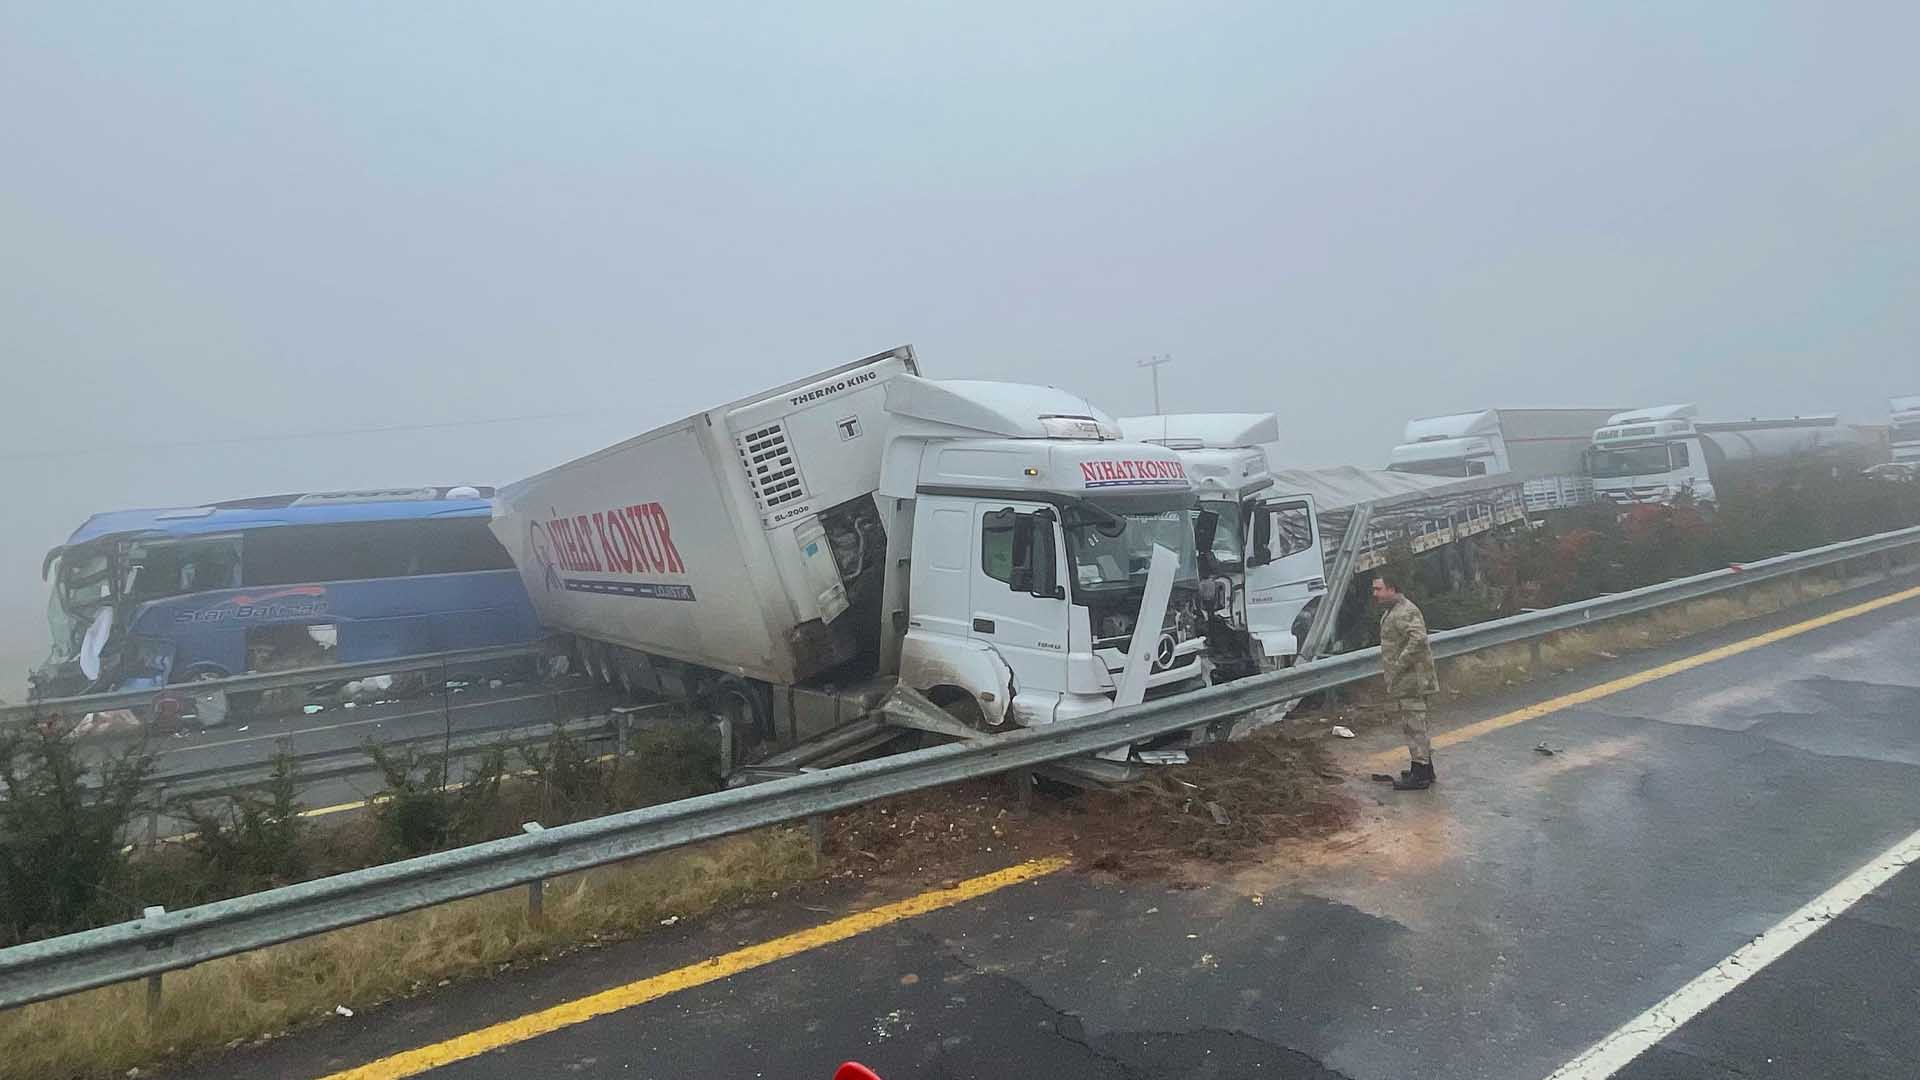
pixel 1019 601
pixel 1284 569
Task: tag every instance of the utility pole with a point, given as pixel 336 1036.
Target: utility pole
pixel 1153 364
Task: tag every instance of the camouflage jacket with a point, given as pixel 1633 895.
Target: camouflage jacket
pixel 1404 656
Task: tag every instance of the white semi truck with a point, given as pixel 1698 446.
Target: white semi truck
pixel 1904 428
pixel 986 544
pixel 1544 448
pixel 1659 454
pixel 1259 549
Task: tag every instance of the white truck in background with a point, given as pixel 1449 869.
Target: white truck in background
pixel 985 544
pixel 1903 429
pixel 1259 549
pixel 1544 448
pixel 1659 454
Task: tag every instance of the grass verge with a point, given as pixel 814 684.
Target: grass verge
pixel 260 995
pixel 1491 669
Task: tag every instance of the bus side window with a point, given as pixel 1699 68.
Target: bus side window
pixel 187 566
pixel 357 551
pixel 460 546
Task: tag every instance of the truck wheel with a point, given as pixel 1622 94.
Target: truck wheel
pixel 743 702
pixel 961 706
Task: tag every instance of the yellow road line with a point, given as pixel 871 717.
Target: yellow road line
pixel 1641 678
pixel 580 1010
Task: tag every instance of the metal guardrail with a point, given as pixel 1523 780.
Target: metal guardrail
pixel 172 940
pixel 267 680
pixel 318 765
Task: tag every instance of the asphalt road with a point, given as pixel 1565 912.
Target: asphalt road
pixel 182 761
pixel 1494 927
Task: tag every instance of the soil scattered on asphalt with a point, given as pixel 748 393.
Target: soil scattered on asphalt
pixel 1229 805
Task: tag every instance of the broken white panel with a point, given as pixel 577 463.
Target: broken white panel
pixel 1146 636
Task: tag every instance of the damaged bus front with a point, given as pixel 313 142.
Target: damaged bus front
pixel 145 598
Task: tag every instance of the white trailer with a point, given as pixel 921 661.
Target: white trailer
pixel 1544 448
pixel 1663 453
pixel 986 544
pixel 1903 429
pixel 1261 562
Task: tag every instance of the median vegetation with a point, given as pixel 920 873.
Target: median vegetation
pixel 67 865
pixel 1596 550
pixel 74 853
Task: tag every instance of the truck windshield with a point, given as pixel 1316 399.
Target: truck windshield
pixel 1103 560
pixel 1441 467
pixel 1229 546
pixel 1633 461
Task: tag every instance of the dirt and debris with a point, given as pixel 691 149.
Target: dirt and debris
pixel 1228 805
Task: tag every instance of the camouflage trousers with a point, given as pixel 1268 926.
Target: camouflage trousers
pixel 1412 714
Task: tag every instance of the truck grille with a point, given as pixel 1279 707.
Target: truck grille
pixel 770 466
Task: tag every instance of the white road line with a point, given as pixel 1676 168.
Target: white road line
pixel 1612 1053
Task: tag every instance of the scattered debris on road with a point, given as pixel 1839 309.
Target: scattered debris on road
pixel 1341 731
pixel 1227 805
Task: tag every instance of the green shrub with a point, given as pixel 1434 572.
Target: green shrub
pixel 572 784
pixel 63 864
pixel 418 812
pixel 251 841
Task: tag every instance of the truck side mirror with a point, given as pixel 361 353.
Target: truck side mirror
pixel 1261 551
pixel 1044 560
pixel 1206 524
pixel 1020 578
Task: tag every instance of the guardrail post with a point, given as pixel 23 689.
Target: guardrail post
pixel 537 888
pixel 817 835
pixel 153 980
pixel 153 815
pixel 1533 655
pixel 1020 783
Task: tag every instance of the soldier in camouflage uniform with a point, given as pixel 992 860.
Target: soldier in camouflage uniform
pixel 1407 663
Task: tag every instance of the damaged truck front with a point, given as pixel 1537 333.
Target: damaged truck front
pixel 793 559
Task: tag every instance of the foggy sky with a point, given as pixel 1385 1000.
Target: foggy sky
pixel 243 222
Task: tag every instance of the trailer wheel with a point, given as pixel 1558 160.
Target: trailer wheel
pixel 743 703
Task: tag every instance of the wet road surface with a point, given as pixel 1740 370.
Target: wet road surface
pixel 1494 927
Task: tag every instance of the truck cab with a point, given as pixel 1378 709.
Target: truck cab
pixel 1650 456
pixel 1032 536
pixel 1456 445
pixel 1258 549
pixel 1903 429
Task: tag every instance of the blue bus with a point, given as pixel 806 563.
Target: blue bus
pixel 153 597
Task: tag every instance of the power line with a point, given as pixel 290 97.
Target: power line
pixel 236 440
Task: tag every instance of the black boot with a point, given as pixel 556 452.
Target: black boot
pixel 1418 778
